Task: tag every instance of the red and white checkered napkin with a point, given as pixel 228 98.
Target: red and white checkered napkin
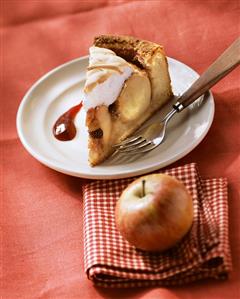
pixel 204 252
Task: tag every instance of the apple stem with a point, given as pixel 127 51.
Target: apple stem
pixel 143 188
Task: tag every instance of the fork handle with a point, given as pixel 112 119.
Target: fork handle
pixel 222 66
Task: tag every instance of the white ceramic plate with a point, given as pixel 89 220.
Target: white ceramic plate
pixel 61 89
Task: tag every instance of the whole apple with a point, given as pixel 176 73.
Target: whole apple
pixel 154 212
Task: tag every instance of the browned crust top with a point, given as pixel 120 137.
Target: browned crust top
pixel 132 49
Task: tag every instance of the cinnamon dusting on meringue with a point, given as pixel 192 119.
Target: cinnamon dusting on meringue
pixel 106 76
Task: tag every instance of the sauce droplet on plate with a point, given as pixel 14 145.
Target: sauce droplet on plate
pixel 64 128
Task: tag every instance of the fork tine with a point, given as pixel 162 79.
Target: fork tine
pixel 149 148
pixel 129 141
pixel 137 143
pixel 128 149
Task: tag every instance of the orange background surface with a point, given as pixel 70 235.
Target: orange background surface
pixel 41 210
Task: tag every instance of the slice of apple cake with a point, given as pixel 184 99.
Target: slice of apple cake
pixel 127 81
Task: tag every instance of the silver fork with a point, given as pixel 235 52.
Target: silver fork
pixel 151 136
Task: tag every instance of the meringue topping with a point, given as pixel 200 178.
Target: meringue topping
pixel 106 75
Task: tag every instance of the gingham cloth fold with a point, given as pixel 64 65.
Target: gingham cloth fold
pixel 204 252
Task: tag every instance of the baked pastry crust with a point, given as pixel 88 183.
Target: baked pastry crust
pixel 130 48
pixel 106 125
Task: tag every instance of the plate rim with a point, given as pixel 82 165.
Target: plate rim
pixel 126 173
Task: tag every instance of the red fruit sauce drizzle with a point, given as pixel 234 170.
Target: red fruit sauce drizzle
pixel 64 128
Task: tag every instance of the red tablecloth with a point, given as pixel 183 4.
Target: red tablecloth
pixel 41 210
